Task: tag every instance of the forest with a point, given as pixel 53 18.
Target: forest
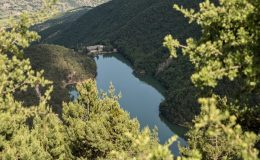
pixel 212 77
pixel 139 38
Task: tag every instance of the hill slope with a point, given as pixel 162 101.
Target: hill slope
pixel 58 63
pixel 14 7
pixel 59 23
pixel 137 29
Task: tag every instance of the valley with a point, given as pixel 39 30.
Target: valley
pixel 149 86
pixel 137 29
pixel 130 79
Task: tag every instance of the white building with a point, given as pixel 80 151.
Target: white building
pixel 96 48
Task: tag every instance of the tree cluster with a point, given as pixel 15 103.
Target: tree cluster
pixel 228 49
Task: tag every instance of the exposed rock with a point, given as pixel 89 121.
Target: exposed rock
pixel 164 65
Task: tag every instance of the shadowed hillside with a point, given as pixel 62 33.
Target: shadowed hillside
pixel 59 23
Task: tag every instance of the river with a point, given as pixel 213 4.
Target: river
pixel 141 96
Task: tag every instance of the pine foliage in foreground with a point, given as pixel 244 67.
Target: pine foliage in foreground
pixel 228 49
pixel 95 127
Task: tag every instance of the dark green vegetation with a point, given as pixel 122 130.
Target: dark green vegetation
pixel 137 29
pixel 63 66
pixel 59 23
pixel 226 67
pixel 95 127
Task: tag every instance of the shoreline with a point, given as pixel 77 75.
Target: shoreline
pixel 142 76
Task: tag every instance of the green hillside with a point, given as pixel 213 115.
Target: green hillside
pixel 59 23
pixel 50 106
pixel 137 29
pixel 58 63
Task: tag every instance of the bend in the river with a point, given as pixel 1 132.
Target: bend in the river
pixel 141 96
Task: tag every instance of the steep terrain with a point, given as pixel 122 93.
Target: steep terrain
pixel 59 23
pixel 61 65
pixel 14 7
pixel 137 29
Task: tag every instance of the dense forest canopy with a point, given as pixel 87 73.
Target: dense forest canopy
pixel 228 49
pixel 95 127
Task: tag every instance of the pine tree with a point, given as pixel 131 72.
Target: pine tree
pixel 26 132
pixel 227 49
pixel 99 128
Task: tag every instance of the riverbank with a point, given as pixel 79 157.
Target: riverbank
pixel 141 97
pixel 167 111
pixel 180 104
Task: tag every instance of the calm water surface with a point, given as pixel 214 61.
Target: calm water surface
pixel 141 97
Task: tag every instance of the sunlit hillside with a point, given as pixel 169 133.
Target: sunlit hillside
pixel 15 7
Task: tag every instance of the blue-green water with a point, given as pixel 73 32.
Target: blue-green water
pixel 141 97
